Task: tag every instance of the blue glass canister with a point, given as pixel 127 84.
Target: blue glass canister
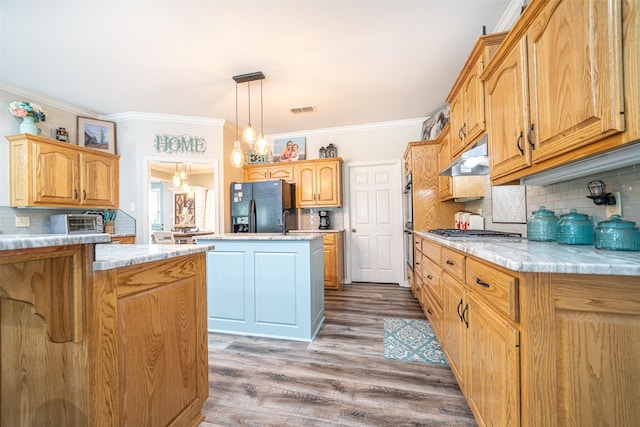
pixel 542 225
pixel 575 229
pixel 617 234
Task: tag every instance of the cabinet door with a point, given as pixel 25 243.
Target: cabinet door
pixel 457 125
pixel 575 75
pixel 327 180
pixel 506 107
pixel 57 176
pixel 473 93
pixel 100 181
pixel 281 172
pixel 305 185
pixel 493 366
pixel 330 267
pixel 453 327
pixel 255 174
pixel 445 183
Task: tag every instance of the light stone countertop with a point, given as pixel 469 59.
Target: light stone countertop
pixel 316 231
pixel 262 236
pixel 546 257
pixel 116 256
pixel 28 241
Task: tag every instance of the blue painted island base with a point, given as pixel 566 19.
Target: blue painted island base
pixel 268 287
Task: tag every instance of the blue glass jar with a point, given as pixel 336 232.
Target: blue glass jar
pixel 542 225
pixel 617 234
pixel 575 229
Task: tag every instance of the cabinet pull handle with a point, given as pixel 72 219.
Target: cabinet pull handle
pixel 464 317
pixel 518 144
pixel 84 194
pixel 75 194
pixel 458 309
pixel 429 311
pixel 481 283
pixel 460 136
pixel 531 144
pixel 464 131
pixel 417 263
pixel 430 277
pixel 450 262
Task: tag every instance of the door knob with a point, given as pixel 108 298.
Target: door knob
pixel 353 230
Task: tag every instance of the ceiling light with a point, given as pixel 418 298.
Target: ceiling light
pixel 249 135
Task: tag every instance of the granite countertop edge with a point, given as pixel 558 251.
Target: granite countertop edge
pixel 31 241
pixel 546 257
pixel 262 236
pixel 115 256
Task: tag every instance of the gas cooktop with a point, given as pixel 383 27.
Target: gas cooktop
pixel 479 234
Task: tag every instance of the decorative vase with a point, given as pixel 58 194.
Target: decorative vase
pixel 28 125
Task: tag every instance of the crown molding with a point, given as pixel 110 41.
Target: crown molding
pixel 47 100
pixel 510 15
pixel 167 118
pixel 354 128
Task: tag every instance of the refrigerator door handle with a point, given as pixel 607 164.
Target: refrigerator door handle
pixel 252 216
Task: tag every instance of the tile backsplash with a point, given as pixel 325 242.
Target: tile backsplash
pixel 563 196
pixel 39 220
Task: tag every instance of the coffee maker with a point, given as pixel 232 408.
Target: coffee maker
pixel 325 224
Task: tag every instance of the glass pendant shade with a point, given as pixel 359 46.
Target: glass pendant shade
pixel 262 145
pixel 249 134
pixel 176 180
pixel 237 155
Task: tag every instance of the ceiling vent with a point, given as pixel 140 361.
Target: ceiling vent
pixel 305 109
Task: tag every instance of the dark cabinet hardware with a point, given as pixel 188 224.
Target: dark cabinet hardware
pixel 481 283
pixel 464 316
pixel 531 144
pixel 518 144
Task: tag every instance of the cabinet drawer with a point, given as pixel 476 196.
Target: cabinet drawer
pixel 496 287
pixel 453 263
pixel 431 274
pixel 417 241
pixel 329 239
pixel 432 250
pixel 432 309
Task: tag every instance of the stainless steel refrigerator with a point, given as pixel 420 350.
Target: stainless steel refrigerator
pixel 258 207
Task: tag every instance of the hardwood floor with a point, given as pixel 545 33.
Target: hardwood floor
pixel 341 378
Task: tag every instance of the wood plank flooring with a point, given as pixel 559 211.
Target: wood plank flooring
pixel 341 378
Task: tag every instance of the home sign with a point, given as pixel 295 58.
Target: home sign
pixel 180 144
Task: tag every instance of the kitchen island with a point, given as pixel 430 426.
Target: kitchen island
pixel 101 334
pixel 537 333
pixel 269 285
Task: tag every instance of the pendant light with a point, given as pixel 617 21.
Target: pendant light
pixel 249 133
pixel 262 146
pixel 176 178
pixel 237 155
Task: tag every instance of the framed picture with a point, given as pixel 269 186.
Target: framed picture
pixel 289 149
pixel 432 127
pixel 97 134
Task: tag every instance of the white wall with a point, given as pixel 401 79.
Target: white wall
pixel 136 145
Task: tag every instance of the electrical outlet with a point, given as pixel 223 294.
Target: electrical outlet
pixel 23 221
pixel 614 209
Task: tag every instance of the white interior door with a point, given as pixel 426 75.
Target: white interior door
pixel 375 218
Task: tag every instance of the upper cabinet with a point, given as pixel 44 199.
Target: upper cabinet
pixel 319 183
pixel 268 172
pixel 44 172
pixel 466 98
pixel 555 86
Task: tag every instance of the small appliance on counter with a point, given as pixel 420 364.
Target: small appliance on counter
pixel 325 223
pixel 75 224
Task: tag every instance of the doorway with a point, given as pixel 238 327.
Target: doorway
pixel 375 223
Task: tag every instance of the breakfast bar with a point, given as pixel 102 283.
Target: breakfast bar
pixel 101 334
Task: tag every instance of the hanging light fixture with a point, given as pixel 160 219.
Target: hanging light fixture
pixel 176 178
pixel 249 133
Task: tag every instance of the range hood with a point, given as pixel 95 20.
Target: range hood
pixel 474 161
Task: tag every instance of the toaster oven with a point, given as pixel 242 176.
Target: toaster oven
pixel 75 224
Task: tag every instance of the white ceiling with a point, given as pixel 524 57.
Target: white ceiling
pixel 357 61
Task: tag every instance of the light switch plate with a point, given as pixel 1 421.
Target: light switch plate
pixel 614 209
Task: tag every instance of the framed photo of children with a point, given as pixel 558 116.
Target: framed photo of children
pixel 97 134
pixel 289 149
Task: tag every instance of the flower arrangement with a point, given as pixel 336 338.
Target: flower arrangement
pixel 27 109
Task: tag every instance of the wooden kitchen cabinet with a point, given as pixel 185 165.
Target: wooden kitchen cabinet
pixel 334 260
pixel 44 172
pixel 466 98
pixel 555 86
pixel 319 183
pixel 269 172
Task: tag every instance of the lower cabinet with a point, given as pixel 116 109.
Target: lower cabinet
pixel 333 260
pixel 454 327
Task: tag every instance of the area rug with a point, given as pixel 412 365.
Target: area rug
pixel 412 340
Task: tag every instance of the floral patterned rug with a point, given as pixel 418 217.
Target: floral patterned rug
pixel 412 340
